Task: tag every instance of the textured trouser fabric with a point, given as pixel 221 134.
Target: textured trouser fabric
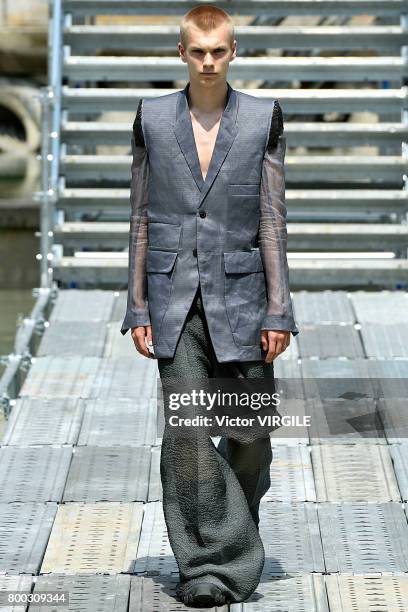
pixel 211 494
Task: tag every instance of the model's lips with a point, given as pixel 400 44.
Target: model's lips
pixel 208 74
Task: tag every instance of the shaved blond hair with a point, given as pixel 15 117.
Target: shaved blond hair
pixel 206 17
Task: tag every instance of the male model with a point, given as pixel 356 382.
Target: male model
pixel 208 289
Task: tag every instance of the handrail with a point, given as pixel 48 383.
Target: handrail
pixel 275 8
pixel 404 111
pixel 24 347
pixel 45 196
pixel 32 326
pixel 51 101
pixel 55 84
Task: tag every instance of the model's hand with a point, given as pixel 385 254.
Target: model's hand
pixel 275 342
pixel 140 335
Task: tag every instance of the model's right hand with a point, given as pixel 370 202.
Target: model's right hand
pixel 140 335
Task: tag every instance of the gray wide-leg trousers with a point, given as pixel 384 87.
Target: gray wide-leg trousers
pixel 211 494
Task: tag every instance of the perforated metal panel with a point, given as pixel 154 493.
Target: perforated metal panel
pixel 299 593
pixel 367 593
pixel 399 454
pixel 393 414
pixel 25 529
pixel 83 305
pixel 330 340
pixel 86 593
pixel 157 594
pixel 340 421
pixel 388 368
pixel 291 537
pixel 337 378
pixel 155 486
pixel 160 418
pixel 287 368
pixel 292 351
pixel 322 307
pixel 33 474
pixel 364 538
pixel 291 475
pixel 374 306
pixel 3 426
pixel 119 535
pixel 108 474
pixel 94 538
pixel 281 441
pixel 119 307
pixel 15 583
pixel 335 368
pixel 154 555
pixel 391 377
pixel 44 421
pixel 118 421
pixel 354 472
pixel 288 434
pixel 117 345
pixel 385 341
pixel 60 377
pixel 125 377
pixel 81 338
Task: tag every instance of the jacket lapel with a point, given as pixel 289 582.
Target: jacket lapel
pixel 227 131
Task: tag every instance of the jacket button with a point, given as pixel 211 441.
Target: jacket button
pixel 195 252
pixel 203 214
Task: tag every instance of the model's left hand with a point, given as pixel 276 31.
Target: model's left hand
pixel 275 342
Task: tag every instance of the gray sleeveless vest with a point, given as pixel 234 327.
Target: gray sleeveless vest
pixel 205 231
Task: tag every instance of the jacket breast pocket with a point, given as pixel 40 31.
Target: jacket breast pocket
pixel 245 295
pixel 250 189
pixel 160 268
pixel 243 211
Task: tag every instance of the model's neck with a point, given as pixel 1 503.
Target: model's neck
pixel 207 100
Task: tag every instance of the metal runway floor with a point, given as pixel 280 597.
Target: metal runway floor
pixel 80 489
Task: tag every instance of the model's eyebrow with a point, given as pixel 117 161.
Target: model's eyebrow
pixel 221 46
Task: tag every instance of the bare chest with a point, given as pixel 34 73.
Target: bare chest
pixel 205 136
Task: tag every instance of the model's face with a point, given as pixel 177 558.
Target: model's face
pixel 208 55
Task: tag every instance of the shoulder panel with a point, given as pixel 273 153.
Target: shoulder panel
pixel 277 126
pixel 137 126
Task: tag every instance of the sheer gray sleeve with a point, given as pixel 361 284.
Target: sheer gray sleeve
pixel 273 232
pixel 137 311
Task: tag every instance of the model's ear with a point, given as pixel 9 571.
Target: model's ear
pixel 181 51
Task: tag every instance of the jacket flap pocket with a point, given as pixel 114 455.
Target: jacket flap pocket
pixel 160 261
pixel 251 189
pixel 243 261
